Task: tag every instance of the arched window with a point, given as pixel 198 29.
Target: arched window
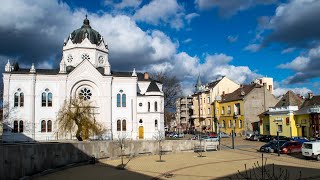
pixel 148 106
pixel 229 124
pixel 240 124
pixel 156 124
pixel 124 100
pixel 223 123
pixel 16 99
pixel 50 99
pixel 118 125
pixel 118 100
pixel 43 126
pixel 124 125
pixel 44 99
pixel 21 126
pixel 15 126
pixel 49 126
pixel 156 106
pixel 21 99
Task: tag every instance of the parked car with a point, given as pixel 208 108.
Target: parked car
pixel 271 146
pixel 299 139
pixel 212 134
pixel 172 134
pixel 195 137
pixel 181 135
pixel 311 150
pixel 291 147
pixel 224 135
pixel 265 138
pixel 249 134
pixel 209 138
pixel 254 138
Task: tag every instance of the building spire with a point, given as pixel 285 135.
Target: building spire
pixel 198 85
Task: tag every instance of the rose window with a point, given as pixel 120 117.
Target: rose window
pixel 85 57
pixel 85 94
pixel 69 58
pixel 101 59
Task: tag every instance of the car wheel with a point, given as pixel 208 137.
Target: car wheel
pixel 289 151
pixel 318 157
pixel 307 157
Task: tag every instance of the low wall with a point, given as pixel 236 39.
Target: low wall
pixel 18 160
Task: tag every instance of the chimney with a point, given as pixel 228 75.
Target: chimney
pixel 146 75
pixel 310 95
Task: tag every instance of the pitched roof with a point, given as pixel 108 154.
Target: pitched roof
pixel 290 99
pixel 153 87
pixel 213 84
pixel 38 71
pixel 315 100
pixel 240 93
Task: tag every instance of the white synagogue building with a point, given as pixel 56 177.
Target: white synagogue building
pixel 125 102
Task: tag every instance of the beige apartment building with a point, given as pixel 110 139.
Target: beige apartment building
pixel 202 101
pixel 183 113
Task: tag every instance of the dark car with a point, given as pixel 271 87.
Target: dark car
pixel 272 146
pixel 299 139
pixel 291 147
pixel 254 138
pixel 266 138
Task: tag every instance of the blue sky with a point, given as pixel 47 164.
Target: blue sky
pixel 241 39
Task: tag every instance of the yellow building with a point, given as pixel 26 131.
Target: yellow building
pixel 240 109
pixel 202 102
pixel 281 118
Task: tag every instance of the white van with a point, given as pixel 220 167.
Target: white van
pixel 311 150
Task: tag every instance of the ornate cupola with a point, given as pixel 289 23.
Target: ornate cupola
pixel 82 44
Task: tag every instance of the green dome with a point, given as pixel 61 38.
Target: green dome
pixel 77 36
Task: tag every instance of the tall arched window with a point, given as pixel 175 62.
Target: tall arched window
pixel 21 99
pixel 43 126
pixel 118 125
pixel 229 124
pixel 46 98
pixel 240 124
pixel 234 123
pixel 124 99
pixel 49 126
pixel 156 106
pixel 156 124
pixel 49 99
pixel 223 123
pixel 21 126
pixel 15 126
pixel 18 99
pixel 118 100
pixel 148 106
pixel 124 125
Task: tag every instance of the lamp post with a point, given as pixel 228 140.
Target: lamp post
pixel 278 143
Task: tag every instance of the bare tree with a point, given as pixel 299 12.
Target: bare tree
pixel 122 143
pixel 159 137
pixel 78 113
pixel 171 88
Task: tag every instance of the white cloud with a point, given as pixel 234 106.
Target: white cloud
pixel 232 39
pixel 191 16
pixel 252 47
pixel 161 11
pixel 187 40
pixel 123 4
pixel 298 64
pixel 281 91
pixel 287 50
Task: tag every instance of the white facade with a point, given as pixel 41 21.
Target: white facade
pixel 35 96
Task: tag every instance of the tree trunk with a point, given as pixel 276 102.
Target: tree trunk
pixel 78 134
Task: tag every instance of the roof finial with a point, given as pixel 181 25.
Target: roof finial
pixel 86 16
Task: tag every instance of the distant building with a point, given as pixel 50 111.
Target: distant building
pixel 239 110
pixel 183 113
pixel 280 118
pixel 203 98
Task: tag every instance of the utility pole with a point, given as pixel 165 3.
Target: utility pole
pixel 278 143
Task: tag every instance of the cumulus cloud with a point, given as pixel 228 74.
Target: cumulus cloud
pixel 229 8
pixel 305 67
pixel 295 23
pixel 123 4
pixel 281 91
pixel 252 47
pixel 161 11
